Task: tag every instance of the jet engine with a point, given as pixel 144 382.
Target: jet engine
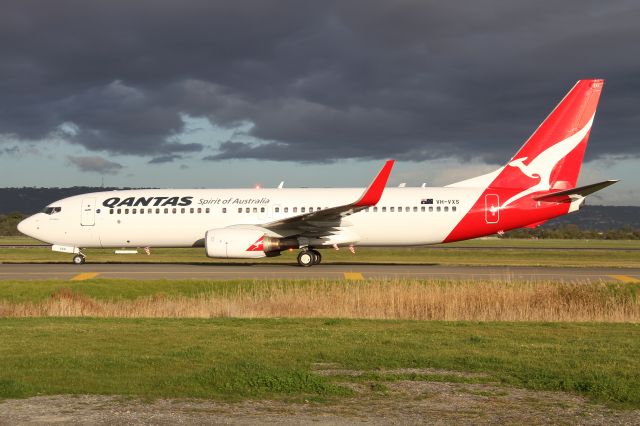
pixel 238 243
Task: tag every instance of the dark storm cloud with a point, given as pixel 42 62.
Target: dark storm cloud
pixel 95 164
pixel 317 81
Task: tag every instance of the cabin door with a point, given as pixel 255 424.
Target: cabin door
pixel 88 214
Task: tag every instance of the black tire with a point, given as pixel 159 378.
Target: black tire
pixel 306 258
pixel 317 257
pixel 78 259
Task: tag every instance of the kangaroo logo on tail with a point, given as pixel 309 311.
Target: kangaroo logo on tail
pixel 542 166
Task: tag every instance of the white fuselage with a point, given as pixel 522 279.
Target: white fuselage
pixel 403 216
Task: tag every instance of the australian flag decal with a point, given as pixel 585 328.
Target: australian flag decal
pixel 426 201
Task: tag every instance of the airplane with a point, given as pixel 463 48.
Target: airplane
pixel 537 184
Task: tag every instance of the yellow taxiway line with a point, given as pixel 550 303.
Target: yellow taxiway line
pixel 625 278
pixel 85 276
pixel 353 276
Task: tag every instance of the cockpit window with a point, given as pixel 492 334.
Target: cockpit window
pixel 51 210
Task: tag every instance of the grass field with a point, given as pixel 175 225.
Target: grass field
pixel 490 252
pixel 242 351
pixel 271 358
pixel 375 299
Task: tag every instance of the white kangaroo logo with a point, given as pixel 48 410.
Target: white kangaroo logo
pixel 542 166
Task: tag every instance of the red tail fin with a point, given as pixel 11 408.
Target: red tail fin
pixel 555 150
pixel 553 154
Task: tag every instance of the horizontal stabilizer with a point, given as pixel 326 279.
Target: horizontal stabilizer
pixel 569 195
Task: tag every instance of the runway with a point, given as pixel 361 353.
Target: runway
pixel 145 271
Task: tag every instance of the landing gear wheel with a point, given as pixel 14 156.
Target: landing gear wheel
pixel 306 258
pixel 317 257
pixel 79 259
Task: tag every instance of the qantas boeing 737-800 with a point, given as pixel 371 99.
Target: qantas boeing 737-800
pixel 537 184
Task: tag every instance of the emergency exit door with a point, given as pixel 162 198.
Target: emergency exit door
pixel 88 214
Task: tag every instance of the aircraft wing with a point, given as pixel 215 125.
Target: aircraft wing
pixel 325 222
pixel 569 195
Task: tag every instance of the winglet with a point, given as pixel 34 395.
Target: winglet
pixel 373 193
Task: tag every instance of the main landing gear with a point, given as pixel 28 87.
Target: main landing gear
pixel 309 257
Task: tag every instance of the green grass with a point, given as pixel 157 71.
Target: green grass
pixel 19 240
pixel 235 359
pixel 519 253
pixel 121 289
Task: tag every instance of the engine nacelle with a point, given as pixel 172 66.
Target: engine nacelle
pixel 238 243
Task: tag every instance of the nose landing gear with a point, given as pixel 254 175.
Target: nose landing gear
pixel 79 259
pixel 308 257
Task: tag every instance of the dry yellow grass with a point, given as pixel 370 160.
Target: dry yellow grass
pixel 394 299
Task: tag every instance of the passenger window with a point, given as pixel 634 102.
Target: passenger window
pixel 183 210
pixel 255 210
pixel 141 211
pixel 415 209
pixel 406 209
pixel 199 210
pixel 126 211
pixel 239 209
pixel 375 210
pixel 247 210
pixel 295 210
pixel 207 210
pixel 446 208
pixel 110 211
pixel 157 211
pixel 384 209
pixel 150 211
pixel 438 208
pixel 119 211
pixel 430 208
pixel 391 209
pixel 133 211
pixel 174 210
pixel 277 210
pixel 366 210
pixel 98 211
pixel 192 210
pixel 224 210
pixel 166 210
pixel 400 209
pixel 310 209
pixel 453 209
pixel 286 209
pixel 261 209
pixel 422 209
pixel 301 209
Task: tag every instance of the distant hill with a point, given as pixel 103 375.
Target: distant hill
pixel 600 218
pixel 31 200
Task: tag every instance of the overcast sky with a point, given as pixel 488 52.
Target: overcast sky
pixel 316 93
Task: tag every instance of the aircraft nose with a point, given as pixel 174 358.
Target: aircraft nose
pixel 27 226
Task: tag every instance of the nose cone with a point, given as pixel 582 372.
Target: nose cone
pixel 27 227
